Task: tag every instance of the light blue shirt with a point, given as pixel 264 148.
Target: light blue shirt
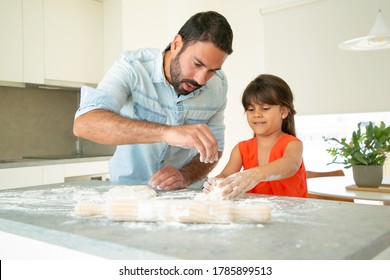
pixel 135 87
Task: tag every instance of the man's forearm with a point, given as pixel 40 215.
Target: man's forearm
pixel 108 128
pixel 196 170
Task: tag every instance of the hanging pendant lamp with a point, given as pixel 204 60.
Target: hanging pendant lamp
pixel 377 39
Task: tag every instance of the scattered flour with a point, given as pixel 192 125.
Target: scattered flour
pixel 137 192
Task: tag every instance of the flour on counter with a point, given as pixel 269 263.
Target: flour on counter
pixel 137 192
pixel 43 200
pixel 61 200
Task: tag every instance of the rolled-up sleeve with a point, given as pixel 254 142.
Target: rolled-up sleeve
pixel 110 94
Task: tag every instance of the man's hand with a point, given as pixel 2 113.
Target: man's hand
pixel 195 136
pixel 168 178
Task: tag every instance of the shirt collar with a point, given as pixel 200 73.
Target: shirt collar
pixel 158 71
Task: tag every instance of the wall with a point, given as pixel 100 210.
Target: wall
pixel 301 45
pixel 38 122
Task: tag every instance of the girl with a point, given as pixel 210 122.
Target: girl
pixel 272 160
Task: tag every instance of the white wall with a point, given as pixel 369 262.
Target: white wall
pixel 301 45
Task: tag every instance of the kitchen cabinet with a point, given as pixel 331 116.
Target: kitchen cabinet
pixel 11 34
pixel 53 174
pixel 73 41
pixel 56 171
pixel 51 42
pixel 20 177
pixel 33 42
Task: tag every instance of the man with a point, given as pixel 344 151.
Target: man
pixel 163 110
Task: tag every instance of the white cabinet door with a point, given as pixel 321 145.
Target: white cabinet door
pixel 11 51
pixel 73 41
pixel 20 177
pixel 85 168
pixel 52 42
pixel 52 174
pixel 33 42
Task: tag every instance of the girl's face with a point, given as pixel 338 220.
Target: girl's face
pixel 266 119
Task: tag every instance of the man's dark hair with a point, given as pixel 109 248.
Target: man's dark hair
pixel 208 27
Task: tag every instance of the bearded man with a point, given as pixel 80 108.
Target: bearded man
pixel 164 110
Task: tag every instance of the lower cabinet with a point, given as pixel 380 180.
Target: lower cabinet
pixel 19 177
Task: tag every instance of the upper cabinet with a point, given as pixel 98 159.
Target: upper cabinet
pixel 51 42
pixel 11 47
pixel 73 41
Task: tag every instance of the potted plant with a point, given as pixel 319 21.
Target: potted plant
pixel 365 152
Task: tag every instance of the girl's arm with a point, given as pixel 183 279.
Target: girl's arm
pixel 284 167
pixel 234 164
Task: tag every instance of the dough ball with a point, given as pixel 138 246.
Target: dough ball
pixel 137 192
pixel 214 195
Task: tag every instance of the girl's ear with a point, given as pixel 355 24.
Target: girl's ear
pixel 285 112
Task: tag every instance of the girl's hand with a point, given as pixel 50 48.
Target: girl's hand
pixel 239 183
pixel 209 185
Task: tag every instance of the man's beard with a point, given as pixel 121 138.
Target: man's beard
pixel 176 76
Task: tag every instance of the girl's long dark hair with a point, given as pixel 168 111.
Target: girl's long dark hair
pixel 271 90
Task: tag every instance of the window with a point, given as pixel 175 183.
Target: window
pixel 312 128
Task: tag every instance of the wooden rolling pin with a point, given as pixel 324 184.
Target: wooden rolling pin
pixel 177 210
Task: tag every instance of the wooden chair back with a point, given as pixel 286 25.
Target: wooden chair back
pixel 315 174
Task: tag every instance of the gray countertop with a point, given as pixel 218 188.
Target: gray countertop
pixel 299 228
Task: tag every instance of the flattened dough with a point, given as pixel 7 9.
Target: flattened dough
pixel 137 192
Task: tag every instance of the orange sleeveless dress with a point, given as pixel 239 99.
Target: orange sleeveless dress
pixel 292 186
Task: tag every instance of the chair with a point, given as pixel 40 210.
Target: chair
pixel 315 174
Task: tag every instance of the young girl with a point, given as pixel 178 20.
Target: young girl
pixel 272 160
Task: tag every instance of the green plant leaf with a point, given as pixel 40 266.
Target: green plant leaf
pixel 368 147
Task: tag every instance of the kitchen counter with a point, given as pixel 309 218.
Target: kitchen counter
pixel 299 228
